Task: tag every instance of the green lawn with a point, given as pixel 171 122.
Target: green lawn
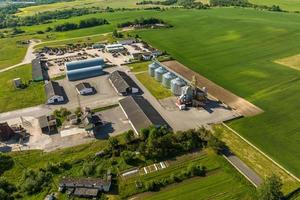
pixel 289 5
pixel 236 49
pixel 139 67
pixel 12 98
pixel 154 87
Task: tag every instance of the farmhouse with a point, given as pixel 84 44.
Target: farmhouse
pixel 141 113
pixel 38 71
pixel 114 47
pixel 84 88
pixel 85 187
pixel 122 83
pixel 54 92
pixel 83 69
pixel 6 132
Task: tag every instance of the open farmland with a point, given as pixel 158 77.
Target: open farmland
pixel 236 49
pixel 289 5
pixel 11 98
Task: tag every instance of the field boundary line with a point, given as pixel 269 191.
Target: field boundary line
pixel 260 151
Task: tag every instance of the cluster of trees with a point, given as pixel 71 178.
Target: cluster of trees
pixel 191 171
pixel 192 4
pixel 244 3
pixel 142 22
pixel 82 24
pixel 6 189
pixel 166 2
pixel 6 162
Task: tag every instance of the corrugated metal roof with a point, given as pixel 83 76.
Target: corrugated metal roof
pixel 37 70
pixel 84 73
pixel 84 63
pixel 122 82
pixel 53 88
pixel 141 113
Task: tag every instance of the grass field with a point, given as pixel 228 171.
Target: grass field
pixel 154 87
pixel 216 186
pixel 217 169
pixel 81 3
pixel 12 98
pixel 236 49
pixel 289 5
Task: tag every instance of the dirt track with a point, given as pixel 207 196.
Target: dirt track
pixel 241 105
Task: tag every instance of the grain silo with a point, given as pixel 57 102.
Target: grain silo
pixel 152 67
pixel 159 73
pixel 166 79
pixel 176 85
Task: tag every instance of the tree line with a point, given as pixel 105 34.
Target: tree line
pixel 141 22
pixel 82 24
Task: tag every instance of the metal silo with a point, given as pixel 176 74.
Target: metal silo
pixel 176 85
pixel 166 79
pixel 159 73
pixel 151 68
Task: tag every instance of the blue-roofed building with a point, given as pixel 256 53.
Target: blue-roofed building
pixel 77 70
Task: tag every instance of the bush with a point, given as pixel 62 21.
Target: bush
pixel 88 169
pixel 128 156
pixel 34 181
pixel 6 162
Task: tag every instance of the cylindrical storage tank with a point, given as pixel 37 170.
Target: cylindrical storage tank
pixel 151 68
pixel 159 73
pixel 166 79
pixel 176 85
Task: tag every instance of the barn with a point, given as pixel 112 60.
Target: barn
pixel 77 70
pixel 54 92
pixel 39 73
pixel 122 83
pixel 140 113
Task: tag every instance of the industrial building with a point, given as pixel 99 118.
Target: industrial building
pixel 122 83
pixel 83 69
pixel 141 113
pixel 84 88
pixel 39 73
pixel 127 42
pixel 54 92
pixel 114 48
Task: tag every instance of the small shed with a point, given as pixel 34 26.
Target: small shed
pixel 84 88
pixel 54 92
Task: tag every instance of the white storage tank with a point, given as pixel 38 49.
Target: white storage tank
pixel 159 73
pixel 176 85
pixel 166 79
pixel 152 67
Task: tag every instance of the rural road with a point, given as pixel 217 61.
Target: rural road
pixel 246 171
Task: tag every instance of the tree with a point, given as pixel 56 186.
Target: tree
pixel 128 156
pixel 113 142
pixel 217 145
pixel 271 189
pixel 129 136
pixel 6 162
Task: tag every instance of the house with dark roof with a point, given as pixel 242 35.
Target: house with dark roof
pixel 122 83
pixel 38 71
pixel 84 88
pixel 6 132
pixel 54 92
pixel 140 113
pixel 85 187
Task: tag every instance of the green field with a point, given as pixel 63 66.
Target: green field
pixel 216 186
pixel 81 3
pixel 12 98
pixel 219 172
pixel 236 49
pixel 289 5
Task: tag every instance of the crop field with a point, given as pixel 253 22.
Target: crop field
pixel 81 3
pixel 289 5
pixel 12 98
pixel 236 48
